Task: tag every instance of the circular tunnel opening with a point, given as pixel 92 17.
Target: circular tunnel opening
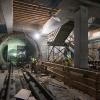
pixel 18 50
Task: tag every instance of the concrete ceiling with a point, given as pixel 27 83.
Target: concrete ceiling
pixel 28 15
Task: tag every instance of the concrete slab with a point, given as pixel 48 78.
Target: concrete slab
pixel 23 94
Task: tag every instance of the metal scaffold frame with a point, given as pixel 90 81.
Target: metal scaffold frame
pixel 56 53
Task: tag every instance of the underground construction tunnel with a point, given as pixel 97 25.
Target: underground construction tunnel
pixel 14 46
pixel 49 50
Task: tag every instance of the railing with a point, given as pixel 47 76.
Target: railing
pixel 81 79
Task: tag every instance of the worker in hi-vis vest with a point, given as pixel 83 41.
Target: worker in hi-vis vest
pixel 33 66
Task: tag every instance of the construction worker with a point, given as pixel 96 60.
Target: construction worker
pixel 68 63
pixel 33 66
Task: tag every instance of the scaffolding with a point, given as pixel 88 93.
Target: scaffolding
pixel 60 53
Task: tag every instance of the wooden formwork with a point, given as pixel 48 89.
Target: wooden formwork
pixel 81 79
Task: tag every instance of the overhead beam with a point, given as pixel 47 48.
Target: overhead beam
pixel 21 8
pixel 34 5
pixel 28 14
pixel 7 9
pixel 30 21
pixel 29 17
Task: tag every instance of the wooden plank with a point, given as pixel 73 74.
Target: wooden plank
pixel 77 77
pixel 19 16
pixel 82 87
pixel 56 65
pixel 58 71
pixel 88 73
pixel 53 67
pixel 27 21
pixel 84 80
pixel 33 15
pixel 57 76
pixel 20 9
pixel 33 5
pixel 30 20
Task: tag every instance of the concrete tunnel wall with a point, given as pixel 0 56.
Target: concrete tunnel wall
pixel 34 43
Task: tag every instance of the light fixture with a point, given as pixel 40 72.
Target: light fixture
pixel 36 36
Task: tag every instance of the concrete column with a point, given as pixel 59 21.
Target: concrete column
pixel 81 38
pixel 7 9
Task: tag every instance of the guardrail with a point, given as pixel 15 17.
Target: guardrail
pixel 81 79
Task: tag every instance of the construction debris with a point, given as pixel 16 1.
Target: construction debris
pixel 23 94
pixel 61 91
